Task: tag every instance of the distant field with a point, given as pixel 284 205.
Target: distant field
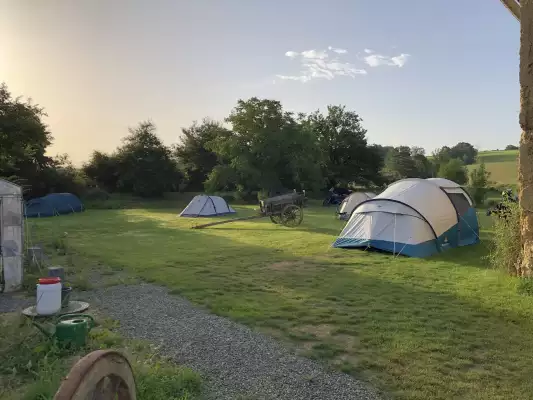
pixel 501 165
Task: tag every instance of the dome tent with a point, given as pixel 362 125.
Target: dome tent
pixel 207 206
pixel 53 204
pixel 349 203
pixel 413 217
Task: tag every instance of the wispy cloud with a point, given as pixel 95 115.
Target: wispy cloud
pixel 291 54
pixel 321 64
pixel 375 60
pixel 337 50
pixel 326 64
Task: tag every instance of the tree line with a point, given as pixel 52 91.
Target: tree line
pixel 259 147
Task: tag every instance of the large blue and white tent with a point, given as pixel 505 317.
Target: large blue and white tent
pixel 413 217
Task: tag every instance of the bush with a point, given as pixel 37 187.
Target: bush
pixel 525 286
pixel 478 194
pixel 95 194
pixel 454 170
pixel 246 197
pixel 506 244
pixel 479 180
pixel 263 194
pixel 229 198
pixel 110 204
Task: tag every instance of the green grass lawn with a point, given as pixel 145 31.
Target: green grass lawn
pixel 32 367
pixel 446 327
pixel 502 166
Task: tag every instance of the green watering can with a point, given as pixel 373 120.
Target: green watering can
pixel 71 330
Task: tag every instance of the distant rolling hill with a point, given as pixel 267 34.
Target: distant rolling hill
pixel 502 165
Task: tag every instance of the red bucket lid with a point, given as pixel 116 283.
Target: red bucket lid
pixel 49 281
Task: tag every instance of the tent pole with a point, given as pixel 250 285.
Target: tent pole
pixel 394 237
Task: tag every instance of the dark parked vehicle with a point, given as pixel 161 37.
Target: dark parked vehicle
pixel 336 196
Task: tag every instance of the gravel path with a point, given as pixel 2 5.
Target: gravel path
pixel 11 302
pixel 236 362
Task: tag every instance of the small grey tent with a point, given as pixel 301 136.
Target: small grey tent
pixel 207 206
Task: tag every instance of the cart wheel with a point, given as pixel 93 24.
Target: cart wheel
pixel 291 215
pixel 102 374
pixel 276 219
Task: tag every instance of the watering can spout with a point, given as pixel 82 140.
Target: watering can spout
pixel 49 333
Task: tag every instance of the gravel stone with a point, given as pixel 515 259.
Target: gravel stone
pixel 235 361
pixel 13 302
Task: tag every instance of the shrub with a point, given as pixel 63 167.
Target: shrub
pixel 525 286
pixel 478 194
pixel 110 204
pixel 479 179
pixel 95 194
pixel 246 197
pixel 505 249
pixel 229 198
pixel 263 194
pixel 454 170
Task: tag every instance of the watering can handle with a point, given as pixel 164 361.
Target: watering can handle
pixel 92 323
pixel 49 334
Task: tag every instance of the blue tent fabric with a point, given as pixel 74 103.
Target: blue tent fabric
pixel 52 205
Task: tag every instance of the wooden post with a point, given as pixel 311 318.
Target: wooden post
pixel 525 161
pixel 513 6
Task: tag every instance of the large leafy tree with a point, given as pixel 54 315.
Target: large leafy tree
pixel 194 156
pixel 24 139
pixel 346 156
pixel 266 150
pixel 465 152
pixel 399 164
pixel 103 169
pixel 454 170
pixel 404 162
pixel 424 167
pixel 63 176
pixel 145 164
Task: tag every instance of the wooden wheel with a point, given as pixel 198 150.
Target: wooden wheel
pixel 100 375
pixel 291 215
pixel 276 218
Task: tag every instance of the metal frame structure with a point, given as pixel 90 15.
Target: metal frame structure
pixel 11 236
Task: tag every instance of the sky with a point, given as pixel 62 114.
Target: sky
pixel 424 73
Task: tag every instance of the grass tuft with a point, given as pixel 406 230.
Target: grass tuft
pixel 32 367
pixel 505 247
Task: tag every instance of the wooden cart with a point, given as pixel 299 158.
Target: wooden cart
pixel 286 209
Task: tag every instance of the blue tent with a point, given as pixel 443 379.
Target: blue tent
pixel 53 204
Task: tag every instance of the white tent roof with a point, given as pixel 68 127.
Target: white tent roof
pixel 206 206
pixel 443 183
pixel 415 217
pixel 352 201
pixel 423 196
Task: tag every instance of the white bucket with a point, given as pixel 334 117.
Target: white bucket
pixel 48 296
